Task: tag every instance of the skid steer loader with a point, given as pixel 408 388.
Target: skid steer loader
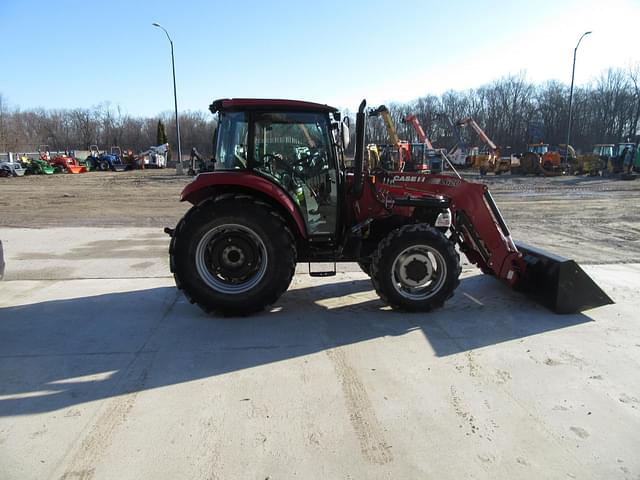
pixel 281 194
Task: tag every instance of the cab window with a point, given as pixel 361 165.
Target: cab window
pixel 294 150
pixel 231 141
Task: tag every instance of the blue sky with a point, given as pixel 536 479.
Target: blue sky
pixel 67 54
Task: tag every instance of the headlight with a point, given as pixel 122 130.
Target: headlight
pixel 444 219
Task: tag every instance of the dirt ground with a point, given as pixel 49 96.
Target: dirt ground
pixel 591 219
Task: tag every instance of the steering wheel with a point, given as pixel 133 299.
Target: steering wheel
pixel 268 161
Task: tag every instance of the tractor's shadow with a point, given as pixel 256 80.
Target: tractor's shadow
pixel 60 353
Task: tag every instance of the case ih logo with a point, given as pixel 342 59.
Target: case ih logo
pixel 409 178
pixel 448 181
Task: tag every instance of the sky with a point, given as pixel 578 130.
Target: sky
pixel 78 54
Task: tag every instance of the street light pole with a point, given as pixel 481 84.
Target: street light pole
pixel 175 95
pixel 573 72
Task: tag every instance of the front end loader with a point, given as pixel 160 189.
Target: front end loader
pixel 280 194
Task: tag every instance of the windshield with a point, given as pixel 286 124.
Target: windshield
pixel 605 150
pixel 231 145
pixel 539 148
pixel 417 152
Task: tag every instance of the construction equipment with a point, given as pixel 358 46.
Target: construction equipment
pixel 198 164
pixel 415 123
pixel 104 161
pixel 540 159
pixel 276 198
pixel 373 156
pixel 423 155
pixel 401 153
pixel 155 157
pixel 596 162
pixel 491 161
pixel 622 159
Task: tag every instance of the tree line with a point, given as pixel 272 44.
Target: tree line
pixel 511 110
pixel 514 112
pixel 102 125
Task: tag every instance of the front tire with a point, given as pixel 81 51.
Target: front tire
pixel 415 268
pixel 233 256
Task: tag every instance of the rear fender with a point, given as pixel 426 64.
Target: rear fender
pixel 211 184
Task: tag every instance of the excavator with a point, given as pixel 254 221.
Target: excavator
pixel 491 161
pixel 424 156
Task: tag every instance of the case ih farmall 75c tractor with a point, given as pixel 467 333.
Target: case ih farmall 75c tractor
pixel 281 194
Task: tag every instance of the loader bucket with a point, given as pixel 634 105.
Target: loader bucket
pixel 76 169
pixel 559 283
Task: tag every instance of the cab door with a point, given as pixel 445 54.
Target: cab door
pixel 294 150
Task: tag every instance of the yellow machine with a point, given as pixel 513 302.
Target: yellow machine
pixel 490 161
pixel 373 156
pixel 595 163
pixel 401 148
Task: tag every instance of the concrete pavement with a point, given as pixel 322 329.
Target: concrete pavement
pixel 107 372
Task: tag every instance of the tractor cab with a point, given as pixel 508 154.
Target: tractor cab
pixel 288 146
pixel 622 157
pixel 603 150
pixel 539 148
pixel 426 160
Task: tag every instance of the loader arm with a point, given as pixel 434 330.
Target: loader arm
pixel 388 123
pixel 483 236
pixel 422 136
pixel 483 136
pixel 481 232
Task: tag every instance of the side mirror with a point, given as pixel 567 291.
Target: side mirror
pixel 344 134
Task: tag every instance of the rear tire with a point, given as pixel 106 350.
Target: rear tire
pixel 415 268
pixel 233 256
pixel 103 166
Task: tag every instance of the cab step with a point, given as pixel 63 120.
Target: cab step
pixel 328 273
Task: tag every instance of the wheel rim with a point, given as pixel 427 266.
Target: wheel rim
pixel 419 272
pixel 231 259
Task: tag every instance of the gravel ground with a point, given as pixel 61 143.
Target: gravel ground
pixel 591 219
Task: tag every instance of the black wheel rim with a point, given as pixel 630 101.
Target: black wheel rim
pixel 231 259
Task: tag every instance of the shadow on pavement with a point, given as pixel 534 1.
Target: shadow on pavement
pixel 61 353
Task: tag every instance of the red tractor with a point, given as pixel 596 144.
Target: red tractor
pixel 280 194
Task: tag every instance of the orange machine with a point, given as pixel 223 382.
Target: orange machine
pixel 491 161
pixel 540 159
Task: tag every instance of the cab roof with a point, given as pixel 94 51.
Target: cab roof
pixel 242 104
